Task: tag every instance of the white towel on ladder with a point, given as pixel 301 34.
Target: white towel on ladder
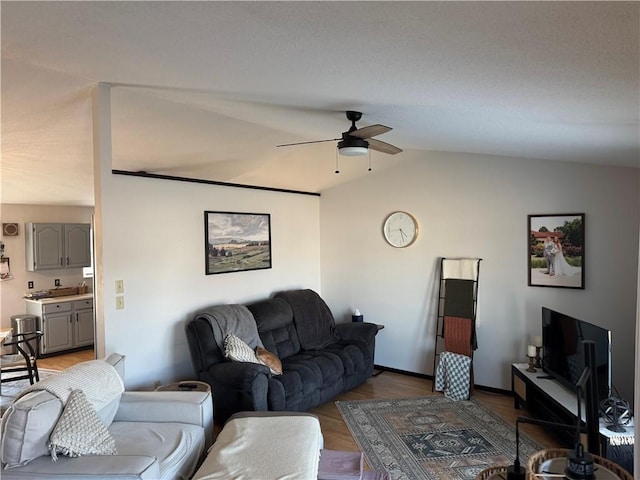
pixel 453 375
pixel 460 268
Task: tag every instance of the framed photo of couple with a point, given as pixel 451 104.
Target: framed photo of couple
pixel 556 250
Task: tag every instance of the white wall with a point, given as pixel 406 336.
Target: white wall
pixel 12 291
pixel 153 239
pixel 475 206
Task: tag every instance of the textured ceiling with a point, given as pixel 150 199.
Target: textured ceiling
pixel 207 89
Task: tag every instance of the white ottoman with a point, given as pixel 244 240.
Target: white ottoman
pixel 255 445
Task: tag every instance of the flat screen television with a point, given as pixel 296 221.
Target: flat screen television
pixel 563 351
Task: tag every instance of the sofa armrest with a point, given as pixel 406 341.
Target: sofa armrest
pixel 237 386
pixel 89 467
pixel 357 331
pixel 195 408
pixel 240 375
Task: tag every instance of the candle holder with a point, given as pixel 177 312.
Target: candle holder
pixel 538 357
pixel 532 363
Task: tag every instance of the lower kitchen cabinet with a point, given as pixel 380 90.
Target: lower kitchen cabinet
pixel 66 325
pixel 58 333
pixel 83 331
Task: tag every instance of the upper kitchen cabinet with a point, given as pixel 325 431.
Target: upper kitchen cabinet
pixel 57 245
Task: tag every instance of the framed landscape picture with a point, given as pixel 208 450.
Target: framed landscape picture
pixel 236 242
pixel 555 250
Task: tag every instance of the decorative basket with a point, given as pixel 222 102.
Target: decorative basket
pixel 537 459
pixel 63 291
pixel 493 473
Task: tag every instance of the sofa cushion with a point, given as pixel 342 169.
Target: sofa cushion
pixel 353 356
pixel 79 431
pixel 177 446
pixel 274 319
pixel 314 321
pixel 308 372
pixel 26 427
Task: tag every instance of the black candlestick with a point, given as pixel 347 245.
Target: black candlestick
pixel 532 362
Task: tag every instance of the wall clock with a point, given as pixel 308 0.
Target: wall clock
pixel 400 229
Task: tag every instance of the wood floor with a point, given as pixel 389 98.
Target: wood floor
pixel 60 362
pixel 386 385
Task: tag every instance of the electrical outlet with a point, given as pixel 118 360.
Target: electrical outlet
pixel 119 302
pixel 30 284
pixel 119 286
pixel 57 282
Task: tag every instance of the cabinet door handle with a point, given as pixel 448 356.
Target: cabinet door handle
pixel 61 261
pixel 67 260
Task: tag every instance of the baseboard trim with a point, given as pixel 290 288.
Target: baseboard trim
pixel 484 388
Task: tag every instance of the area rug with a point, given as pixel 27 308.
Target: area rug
pixel 432 438
pixel 9 390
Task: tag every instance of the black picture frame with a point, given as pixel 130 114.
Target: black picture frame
pixel 561 263
pixel 236 242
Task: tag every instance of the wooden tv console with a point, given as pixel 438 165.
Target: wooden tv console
pixel 547 399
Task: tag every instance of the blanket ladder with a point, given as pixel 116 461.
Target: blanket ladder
pixel 457 304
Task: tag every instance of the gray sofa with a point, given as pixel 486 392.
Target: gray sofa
pixel 158 435
pixel 320 359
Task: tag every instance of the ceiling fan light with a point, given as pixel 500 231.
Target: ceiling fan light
pixel 353 151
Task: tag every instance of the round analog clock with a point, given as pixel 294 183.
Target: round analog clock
pixel 400 229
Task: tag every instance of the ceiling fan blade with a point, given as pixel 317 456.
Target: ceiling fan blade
pixel 370 131
pixel 383 147
pixel 305 143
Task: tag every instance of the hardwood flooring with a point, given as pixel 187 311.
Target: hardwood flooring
pixel 60 362
pixel 386 385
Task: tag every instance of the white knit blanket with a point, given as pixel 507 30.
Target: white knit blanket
pixel 98 380
pixel 252 448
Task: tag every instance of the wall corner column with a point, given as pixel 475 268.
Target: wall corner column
pixel 102 166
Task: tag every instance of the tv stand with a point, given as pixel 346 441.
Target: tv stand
pixel 544 397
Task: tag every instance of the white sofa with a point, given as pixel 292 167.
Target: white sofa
pixel 158 435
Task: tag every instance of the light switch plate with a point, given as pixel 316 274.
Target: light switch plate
pixel 119 302
pixel 119 286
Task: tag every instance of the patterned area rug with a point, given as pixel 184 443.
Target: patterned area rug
pixel 9 390
pixel 432 438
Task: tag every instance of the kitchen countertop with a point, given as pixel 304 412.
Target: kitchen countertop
pixel 68 298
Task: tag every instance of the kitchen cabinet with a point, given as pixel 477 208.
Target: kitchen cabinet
pixel 58 332
pixel 67 323
pixel 83 331
pixel 57 245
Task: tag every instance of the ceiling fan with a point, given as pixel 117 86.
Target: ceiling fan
pixel 357 141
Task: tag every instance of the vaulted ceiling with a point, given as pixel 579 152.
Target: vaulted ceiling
pixel 208 89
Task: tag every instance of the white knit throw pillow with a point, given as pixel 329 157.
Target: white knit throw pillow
pixel 236 349
pixel 80 431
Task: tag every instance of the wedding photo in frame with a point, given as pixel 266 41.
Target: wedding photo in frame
pixel 556 250
pixel 236 242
